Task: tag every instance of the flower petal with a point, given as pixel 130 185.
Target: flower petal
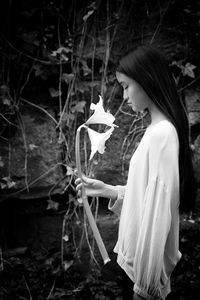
pixel 100 116
pixel 98 140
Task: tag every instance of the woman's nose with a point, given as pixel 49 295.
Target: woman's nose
pixel 125 96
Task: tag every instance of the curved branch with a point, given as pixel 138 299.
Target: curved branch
pixel 40 108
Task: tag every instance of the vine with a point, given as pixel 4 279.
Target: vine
pixel 73 56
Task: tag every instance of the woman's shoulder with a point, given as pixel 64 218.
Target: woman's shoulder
pixel 163 131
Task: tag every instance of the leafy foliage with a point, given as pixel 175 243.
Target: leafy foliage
pixel 68 49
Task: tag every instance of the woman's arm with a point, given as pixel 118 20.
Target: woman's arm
pixel 96 188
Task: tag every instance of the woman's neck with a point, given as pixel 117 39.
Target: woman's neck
pixel 156 115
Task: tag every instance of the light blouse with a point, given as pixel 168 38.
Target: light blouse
pixel 148 237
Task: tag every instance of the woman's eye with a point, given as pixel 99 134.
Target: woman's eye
pixel 125 88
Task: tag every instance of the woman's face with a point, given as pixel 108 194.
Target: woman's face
pixel 133 93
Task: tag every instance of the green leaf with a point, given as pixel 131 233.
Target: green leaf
pixel 9 182
pixel 66 238
pixel 52 204
pixel 85 68
pixel 32 146
pixel 38 70
pixel 3 185
pixel 79 107
pixel 63 51
pixel 67 77
pixel 188 70
pixel 7 102
pixel 67 264
pixel 69 171
pixel 90 12
pixel 67 116
pixel 55 93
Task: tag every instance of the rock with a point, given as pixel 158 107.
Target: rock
pixel 192 99
pixel 196 159
pixel 31 155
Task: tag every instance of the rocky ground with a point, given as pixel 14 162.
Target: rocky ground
pixel 35 272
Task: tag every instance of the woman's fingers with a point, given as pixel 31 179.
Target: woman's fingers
pixel 85 180
pixel 77 181
pixel 89 184
pixel 79 186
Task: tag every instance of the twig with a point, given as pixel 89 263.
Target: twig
pixel 51 290
pixel 1 260
pixel 45 62
pixel 160 22
pixel 37 179
pixel 25 82
pixel 8 120
pixel 29 292
pixel 40 108
pixel 25 147
pixel 189 84
pixel 107 51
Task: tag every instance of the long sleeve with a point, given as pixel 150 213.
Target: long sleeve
pixel 152 237
pixel 116 206
pixel 159 205
pixel 148 239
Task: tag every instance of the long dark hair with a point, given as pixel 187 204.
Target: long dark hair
pixel 148 66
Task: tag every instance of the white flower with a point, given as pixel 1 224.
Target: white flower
pixel 98 140
pixel 100 116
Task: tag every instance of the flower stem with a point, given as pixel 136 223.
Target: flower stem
pixel 89 214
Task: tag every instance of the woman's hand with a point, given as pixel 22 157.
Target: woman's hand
pixel 95 188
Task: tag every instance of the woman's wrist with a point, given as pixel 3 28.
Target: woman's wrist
pixel 110 192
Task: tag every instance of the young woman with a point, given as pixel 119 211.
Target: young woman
pixel 160 179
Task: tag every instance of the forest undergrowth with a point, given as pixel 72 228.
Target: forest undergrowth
pixel 38 275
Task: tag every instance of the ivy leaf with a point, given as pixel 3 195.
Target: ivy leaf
pixel 61 50
pixel 67 264
pixel 9 182
pixel 38 70
pixel 90 12
pixel 52 204
pixel 69 171
pixel 67 117
pixel 32 147
pixel 66 238
pixel 79 107
pixel 188 70
pixel 7 102
pixel 67 77
pixel 3 185
pixel 55 93
pixel 85 68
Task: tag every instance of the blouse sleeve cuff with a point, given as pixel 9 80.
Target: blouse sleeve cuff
pixel 116 205
pixel 144 294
